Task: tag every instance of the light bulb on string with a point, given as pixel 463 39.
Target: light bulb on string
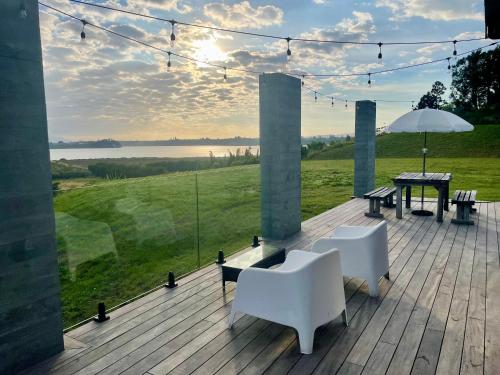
pixel 369 80
pixel 346 104
pixel 315 96
pixel 23 12
pixel 449 66
pixel 454 48
pixel 225 74
pixel 169 64
pixel 332 102
pixel 288 51
pixel 172 35
pixel 303 78
pixel 380 50
pixel 82 34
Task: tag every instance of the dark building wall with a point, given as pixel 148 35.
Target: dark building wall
pixel 30 308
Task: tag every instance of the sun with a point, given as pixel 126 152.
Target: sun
pixel 207 50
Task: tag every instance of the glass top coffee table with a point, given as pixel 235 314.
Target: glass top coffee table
pixel 263 256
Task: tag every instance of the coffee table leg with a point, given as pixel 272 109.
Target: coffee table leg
pixel 399 202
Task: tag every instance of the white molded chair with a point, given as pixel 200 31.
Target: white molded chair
pixel 364 252
pixel 305 292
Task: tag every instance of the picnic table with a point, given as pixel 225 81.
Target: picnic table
pixel 440 181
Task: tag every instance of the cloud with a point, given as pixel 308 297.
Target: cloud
pixel 243 15
pixel 442 10
pixel 167 5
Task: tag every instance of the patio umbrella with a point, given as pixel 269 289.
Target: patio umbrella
pixel 428 120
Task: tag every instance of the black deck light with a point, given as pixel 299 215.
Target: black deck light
pixel 172 35
pixel 82 34
pixel 380 50
pixel 220 258
pixel 101 313
pixel 171 281
pixel 255 242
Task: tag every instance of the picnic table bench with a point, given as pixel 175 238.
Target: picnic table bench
pixel 263 256
pixel 464 201
pixel 381 194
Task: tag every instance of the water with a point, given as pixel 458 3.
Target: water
pixel 145 152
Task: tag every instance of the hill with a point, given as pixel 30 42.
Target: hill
pixel 484 141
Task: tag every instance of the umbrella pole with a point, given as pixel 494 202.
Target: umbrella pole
pixel 423 212
pixel 424 151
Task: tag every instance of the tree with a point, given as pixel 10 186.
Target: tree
pixel 434 98
pixel 476 81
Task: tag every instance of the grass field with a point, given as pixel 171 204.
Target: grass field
pixel 120 238
pixel 484 141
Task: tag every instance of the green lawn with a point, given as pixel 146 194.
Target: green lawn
pixel 120 238
pixel 483 142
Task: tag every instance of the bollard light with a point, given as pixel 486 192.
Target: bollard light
pixel 171 281
pixel 101 313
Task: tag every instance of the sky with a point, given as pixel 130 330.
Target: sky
pixel 107 87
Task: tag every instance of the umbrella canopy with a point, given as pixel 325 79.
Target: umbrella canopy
pixel 429 120
pixel 425 121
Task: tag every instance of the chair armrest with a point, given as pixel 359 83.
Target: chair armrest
pixel 351 231
pixel 296 259
pixel 324 244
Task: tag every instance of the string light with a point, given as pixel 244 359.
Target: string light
pixel 288 51
pixel 346 104
pixel 82 34
pixel 369 80
pixel 454 48
pixel 332 102
pixel 380 50
pixel 449 66
pixel 225 74
pixel 172 35
pixel 23 12
pixel 303 75
pixel 315 96
pixel 241 32
pixel 169 64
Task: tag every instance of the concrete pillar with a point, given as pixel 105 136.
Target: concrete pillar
pixel 30 307
pixel 364 147
pixel 280 146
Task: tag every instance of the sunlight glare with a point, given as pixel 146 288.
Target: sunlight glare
pixel 207 50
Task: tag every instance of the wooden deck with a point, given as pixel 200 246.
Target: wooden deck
pixel 440 313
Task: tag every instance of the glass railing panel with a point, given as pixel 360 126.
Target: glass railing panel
pixel 120 238
pixel 229 209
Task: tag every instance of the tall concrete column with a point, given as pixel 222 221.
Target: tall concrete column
pixel 280 146
pixel 30 308
pixel 364 147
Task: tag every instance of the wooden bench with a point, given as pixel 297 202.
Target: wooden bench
pixel 263 256
pixel 381 194
pixel 464 201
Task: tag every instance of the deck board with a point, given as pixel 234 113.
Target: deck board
pixel 439 313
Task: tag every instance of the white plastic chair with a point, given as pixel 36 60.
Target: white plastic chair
pixel 364 252
pixel 305 292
